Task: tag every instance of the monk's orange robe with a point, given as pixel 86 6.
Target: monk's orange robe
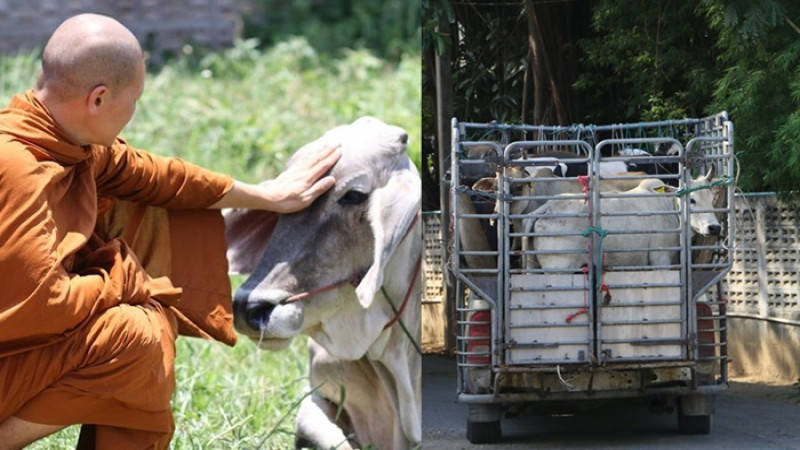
pixel 95 286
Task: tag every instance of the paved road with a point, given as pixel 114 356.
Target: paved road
pixel 739 423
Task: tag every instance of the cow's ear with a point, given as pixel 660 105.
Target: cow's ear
pixel 247 233
pixel 393 209
pixel 488 184
pixel 710 174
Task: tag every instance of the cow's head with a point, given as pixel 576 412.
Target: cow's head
pixel 322 267
pixel 489 185
pixel 702 198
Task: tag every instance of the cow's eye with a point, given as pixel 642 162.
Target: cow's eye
pixel 353 198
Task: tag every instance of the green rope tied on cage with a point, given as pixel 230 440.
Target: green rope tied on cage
pixel 602 233
pixel 721 181
pixel 597 230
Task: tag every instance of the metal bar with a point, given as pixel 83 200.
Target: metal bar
pixel 711 389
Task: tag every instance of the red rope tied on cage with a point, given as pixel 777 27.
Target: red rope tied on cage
pixel 606 293
pixel 585 309
pixel 572 316
pixel 603 288
pixel 584 180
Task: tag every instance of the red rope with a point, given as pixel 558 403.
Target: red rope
pixel 604 289
pixel 584 180
pixel 399 312
pixel 354 280
pixel 585 309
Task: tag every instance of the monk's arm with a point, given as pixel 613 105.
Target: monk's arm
pixel 130 174
pixel 135 175
pixel 291 191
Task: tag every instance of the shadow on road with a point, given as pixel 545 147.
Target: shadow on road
pixel 740 422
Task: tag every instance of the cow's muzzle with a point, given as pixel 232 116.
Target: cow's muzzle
pixel 249 316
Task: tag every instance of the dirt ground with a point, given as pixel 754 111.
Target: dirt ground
pixel 769 390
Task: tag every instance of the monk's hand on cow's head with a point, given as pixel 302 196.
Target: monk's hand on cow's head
pixel 305 179
pixel 294 189
pixel 315 159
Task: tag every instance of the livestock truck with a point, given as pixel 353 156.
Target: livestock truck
pixel 575 284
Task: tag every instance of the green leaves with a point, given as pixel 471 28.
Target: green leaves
pixel 759 84
pixel 437 12
pixel 689 59
pixel 650 63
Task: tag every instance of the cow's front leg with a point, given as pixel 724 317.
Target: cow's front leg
pixel 316 427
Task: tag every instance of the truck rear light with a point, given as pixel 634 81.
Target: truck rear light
pixel 705 331
pixel 479 334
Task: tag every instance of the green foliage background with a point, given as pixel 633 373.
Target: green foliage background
pixel 643 61
pixel 388 28
pixel 690 59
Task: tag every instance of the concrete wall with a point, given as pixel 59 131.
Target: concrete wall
pixel 766 350
pixel 434 319
pixel 161 26
pixel 763 288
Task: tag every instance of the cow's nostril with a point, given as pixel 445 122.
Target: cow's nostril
pixel 714 230
pixel 249 314
pixel 258 314
pixel 404 138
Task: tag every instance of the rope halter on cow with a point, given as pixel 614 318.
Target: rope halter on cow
pixel 354 281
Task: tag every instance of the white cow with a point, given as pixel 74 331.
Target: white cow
pixel 545 184
pixel 559 223
pixel 346 273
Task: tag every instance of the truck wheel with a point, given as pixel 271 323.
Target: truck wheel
pixel 694 424
pixel 695 412
pixel 483 432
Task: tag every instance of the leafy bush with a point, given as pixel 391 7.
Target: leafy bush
pixel 389 28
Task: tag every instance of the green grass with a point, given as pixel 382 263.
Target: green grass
pixel 243 112
pixel 239 398
pixel 228 398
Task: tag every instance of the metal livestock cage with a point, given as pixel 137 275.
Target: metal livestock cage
pixel 587 262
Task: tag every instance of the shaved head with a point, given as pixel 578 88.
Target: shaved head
pixel 86 51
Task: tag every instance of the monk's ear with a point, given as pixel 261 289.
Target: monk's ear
pixel 97 98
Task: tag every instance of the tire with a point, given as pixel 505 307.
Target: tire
pixel 694 424
pixel 483 432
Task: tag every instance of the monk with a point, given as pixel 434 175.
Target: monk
pixel 107 252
